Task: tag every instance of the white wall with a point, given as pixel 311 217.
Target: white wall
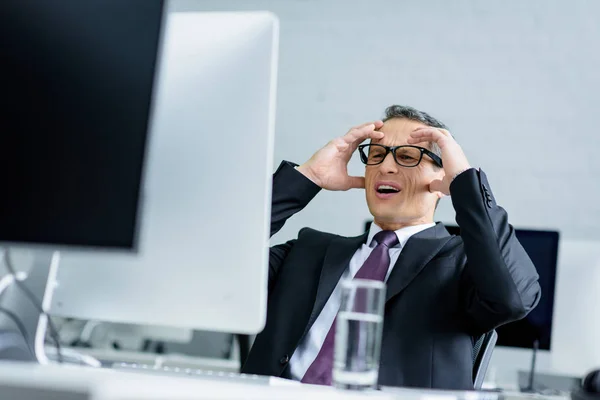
pixel 517 82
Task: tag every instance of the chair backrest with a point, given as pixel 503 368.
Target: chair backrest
pixel 482 354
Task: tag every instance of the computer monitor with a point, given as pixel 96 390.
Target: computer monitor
pixel 76 81
pixel 76 98
pixel 542 248
pixel 202 260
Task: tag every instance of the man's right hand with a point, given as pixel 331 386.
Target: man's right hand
pixel 328 167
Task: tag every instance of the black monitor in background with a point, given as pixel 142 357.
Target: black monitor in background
pixel 76 79
pixel 542 248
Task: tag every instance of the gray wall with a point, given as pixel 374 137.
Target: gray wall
pixel 517 82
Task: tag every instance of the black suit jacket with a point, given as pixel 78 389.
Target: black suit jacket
pixel 443 292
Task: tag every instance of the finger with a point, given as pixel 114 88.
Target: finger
pixel 357 182
pixel 438 185
pixel 427 128
pixel 427 135
pixel 355 136
pixel 445 132
pixel 414 141
pixel 426 139
pixel 426 131
pixel 369 126
pixel 378 124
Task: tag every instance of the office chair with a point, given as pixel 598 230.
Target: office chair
pixel 482 354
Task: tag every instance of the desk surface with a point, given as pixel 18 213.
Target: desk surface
pixel 106 384
pixel 177 360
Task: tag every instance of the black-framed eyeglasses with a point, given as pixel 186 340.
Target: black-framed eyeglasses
pixel 406 156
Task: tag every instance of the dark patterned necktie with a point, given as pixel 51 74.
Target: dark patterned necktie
pixel 374 268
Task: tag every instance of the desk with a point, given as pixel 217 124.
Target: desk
pixel 171 360
pixel 32 381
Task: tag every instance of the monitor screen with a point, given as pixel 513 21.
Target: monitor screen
pixel 542 248
pixel 77 83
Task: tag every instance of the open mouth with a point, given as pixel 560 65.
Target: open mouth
pixel 386 190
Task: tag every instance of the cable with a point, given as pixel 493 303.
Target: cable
pixel 35 302
pixel 5 282
pixel 14 318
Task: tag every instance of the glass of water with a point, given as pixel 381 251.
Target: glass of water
pixel 358 331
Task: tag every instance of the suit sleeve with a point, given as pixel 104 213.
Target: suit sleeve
pixel 499 283
pixel 291 192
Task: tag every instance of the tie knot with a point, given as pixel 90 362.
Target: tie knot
pixel 387 238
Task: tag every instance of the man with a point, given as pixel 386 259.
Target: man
pixel 443 291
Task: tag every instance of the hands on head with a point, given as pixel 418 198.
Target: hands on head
pixel 454 158
pixel 328 167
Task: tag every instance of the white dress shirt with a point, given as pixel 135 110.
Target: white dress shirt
pixel 310 346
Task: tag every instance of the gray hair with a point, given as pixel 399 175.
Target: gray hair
pixel 413 114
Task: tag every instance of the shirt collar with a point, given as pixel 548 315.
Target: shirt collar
pixel 403 233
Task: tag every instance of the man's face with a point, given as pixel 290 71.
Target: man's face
pixel 413 203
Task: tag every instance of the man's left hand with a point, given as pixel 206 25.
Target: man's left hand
pixel 453 157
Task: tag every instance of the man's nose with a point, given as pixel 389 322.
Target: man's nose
pixel 389 166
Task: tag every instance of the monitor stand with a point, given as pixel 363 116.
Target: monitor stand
pixel 40 279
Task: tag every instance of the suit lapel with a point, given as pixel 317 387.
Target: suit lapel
pixel 417 252
pixel 338 256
